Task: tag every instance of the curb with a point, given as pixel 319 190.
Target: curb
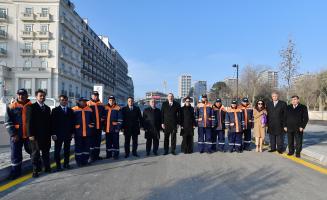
pixel 314 156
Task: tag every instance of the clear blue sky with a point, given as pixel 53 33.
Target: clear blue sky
pixel 161 39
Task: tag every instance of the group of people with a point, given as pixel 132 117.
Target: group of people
pixel 33 125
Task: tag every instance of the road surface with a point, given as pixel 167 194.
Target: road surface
pixel 248 175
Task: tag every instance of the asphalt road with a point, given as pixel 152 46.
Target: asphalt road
pixel 248 175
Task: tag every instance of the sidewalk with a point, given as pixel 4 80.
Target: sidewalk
pixel 315 143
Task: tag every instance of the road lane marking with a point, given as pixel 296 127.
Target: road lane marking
pixel 29 175
pixel 305 163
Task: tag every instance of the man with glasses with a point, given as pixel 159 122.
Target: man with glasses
pixel 62 119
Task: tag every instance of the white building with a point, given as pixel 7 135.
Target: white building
pixel 47 45
pixel 184 85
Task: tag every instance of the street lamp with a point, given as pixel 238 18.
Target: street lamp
pixel 237 67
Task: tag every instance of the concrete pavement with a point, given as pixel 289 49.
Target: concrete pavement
pixel 197 176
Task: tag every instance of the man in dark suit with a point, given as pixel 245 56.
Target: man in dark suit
pixel 170 117
pixel 276 110
pixel 62 119
pixel 152 126
pixel 132 121
pixel 296 121
pixel 40 133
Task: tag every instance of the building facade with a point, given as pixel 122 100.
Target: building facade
pixel 47 45
pixel 200 88
pixel 269 77
pixel 184 85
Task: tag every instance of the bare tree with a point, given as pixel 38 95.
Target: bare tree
pixel 289 64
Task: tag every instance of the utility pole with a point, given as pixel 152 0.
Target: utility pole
pixel 237 68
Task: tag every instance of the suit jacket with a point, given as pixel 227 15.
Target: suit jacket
pixel 276 117
pixel 62 124
pixel 40 125
pixel 132 120
pixel 170 115
pixel 152 122
pixel 187 120
pixel 296 117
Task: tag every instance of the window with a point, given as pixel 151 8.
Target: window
pixel 42 84
pixel 27 84
pixel 44 46
pixel 44 27
pixel 28 45
pixel 3 13
pixel 3 46
pixel 28 64
pixel 28 27
pixel 28 10
pixel 44 64
pixel 44 11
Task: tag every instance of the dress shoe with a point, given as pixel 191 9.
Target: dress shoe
pixel 298 155
pixel 147 153
pixel 290 154
pixel 126 155
pixel 271 151
pixel 135 155
pixel 35 174
pixel 67 166
pixel 155 153
pixel 280 151
pixel 174 153
pixel 166 153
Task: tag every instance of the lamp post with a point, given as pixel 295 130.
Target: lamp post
pixel 237 67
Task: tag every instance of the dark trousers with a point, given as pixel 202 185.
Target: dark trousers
pixel 168 133
pixel 235 141
pixel 149 142
pixel 95 144
pixel 112 144
pixel 221 139
pixel 214 136
pixel 37 154
pixel 277 142
pixel 204 139
pixel 298 137
pixel 82 150
pixel 247 139
pixel 187 144
pixel 128 138
pixel 17 155
pixel 58 146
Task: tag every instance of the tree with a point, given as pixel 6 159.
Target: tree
pixel 219 90
pixel 322 79
pixel 289 65
pixel 250 81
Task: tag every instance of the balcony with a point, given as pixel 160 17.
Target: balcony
pixel 27 34
pixel 27 52
pixel 3 52
pixel 3 34
pixel 28 17
pixel 43 53
pixel 43 35
pixel 3 17
pixel 44 17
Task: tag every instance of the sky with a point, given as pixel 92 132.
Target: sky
pixel 162 39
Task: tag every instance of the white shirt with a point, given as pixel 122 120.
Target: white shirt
pixel 275 103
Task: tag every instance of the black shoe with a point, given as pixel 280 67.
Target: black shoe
pixel 231 151
pixel 147 153
pixel 99 158
pixel 290 154
pixel 67 166
pixel 126 155
pixel 280 151
pixel 135 155
pixel 155 153
pixel 271 151
pixel 201 151
pixel 12 176
pixel 35 174
pixel 116 157
pixel 108 156
pixel 174 153
pixel 298 155
pixel 58 168
pixel 166 153
pixel 47 170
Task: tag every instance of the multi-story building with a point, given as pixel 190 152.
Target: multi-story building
pixel 184 85
pixel 200 88
pixel 158 96
pixel 270 77
pixel 47 45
